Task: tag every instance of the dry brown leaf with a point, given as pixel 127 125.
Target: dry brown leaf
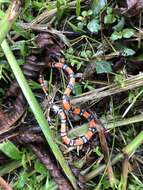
pixel 131 3
pixel 134 7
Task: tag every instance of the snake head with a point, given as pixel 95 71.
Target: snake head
pixel 55 56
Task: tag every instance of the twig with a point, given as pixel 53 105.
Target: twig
pixel 123 122
pixel 80 178
pixel 47 28
pixel 129 84
pixel 103 167
pixel 128 150
pixel 125 172
pixel 106 154
pixel 131 105
pixel 47 15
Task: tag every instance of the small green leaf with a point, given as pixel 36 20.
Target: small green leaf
pixel 49 185
pixel 74 27
pixel 79 163
pixel 97 151
pixel 120 25
pixel 109 10
pixel 127 51
pixel 106 184
pixel 34 85
pixel 80 25
pixel 70 50
pixel 1 14
pixel 90 12
pixel 83 54
pixel 86 54
pixel 119 79
pixel 11 150
pixel 61 5
pixel 80 18
pixel 89 53
pixel 24 160
pixel 127 33
pixel 109 19
pixel 76 63
pixel 77 89
pixel 116 35
pixel 94 26
pixel 40 168
pixel 103 67
pixel 20 31
pixel 84 13
pixel 22 178
pixel 98 5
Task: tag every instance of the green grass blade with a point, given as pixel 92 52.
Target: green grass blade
pixel 37 111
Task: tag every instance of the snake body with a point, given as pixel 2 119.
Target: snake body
pixel 68 107
pixel 32 69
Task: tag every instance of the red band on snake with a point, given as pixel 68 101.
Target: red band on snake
pixel 68 107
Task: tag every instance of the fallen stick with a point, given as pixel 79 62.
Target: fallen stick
pixel 128 150
pixel 97 94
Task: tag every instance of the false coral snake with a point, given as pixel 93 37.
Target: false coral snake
pixel 67 106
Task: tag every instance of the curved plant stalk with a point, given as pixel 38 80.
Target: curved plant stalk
pixel 5 25
pixel 125 172
pixel 109 125
pixel 37 111
pixel 10 16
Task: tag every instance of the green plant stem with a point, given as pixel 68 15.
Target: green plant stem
pixel 10 16
pixel 128 150
pixel 37 111
pixel 81 130
pixel 101 168
pixel 123 122
pixel 125 172
pixel 5 25
pixel 9 167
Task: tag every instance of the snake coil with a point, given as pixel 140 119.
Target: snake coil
pixel 32 69
pixel 92 123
